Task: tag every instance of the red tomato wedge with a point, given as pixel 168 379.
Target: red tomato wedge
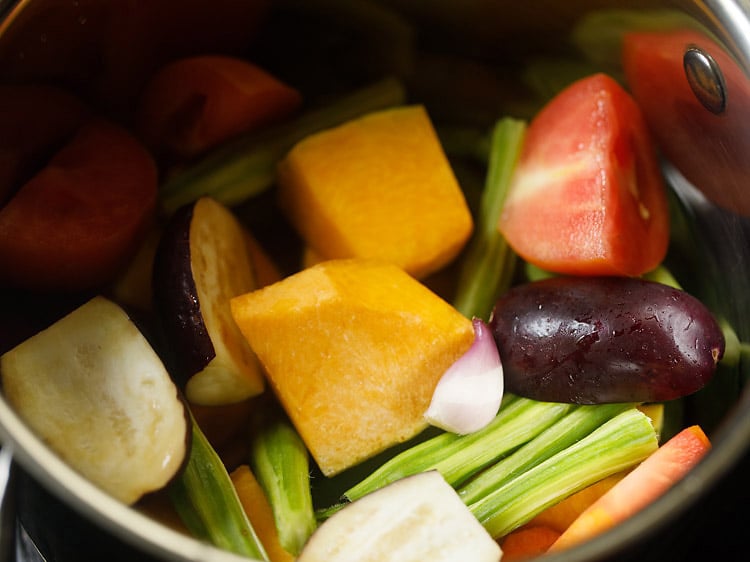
pixel 692 136
pixel 587 197
pixel 72 226
pixel 195 103
pixel 644 484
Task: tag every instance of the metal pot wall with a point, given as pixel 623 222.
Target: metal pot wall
pixel 106 50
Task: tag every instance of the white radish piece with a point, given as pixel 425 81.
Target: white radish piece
pixel 469 393
pixel 92 387
pixel 414 519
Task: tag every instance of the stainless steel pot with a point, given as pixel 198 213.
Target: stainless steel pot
pixel 106 49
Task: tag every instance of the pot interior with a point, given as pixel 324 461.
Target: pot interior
pixel 469 64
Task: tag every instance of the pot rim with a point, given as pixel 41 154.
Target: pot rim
pixel 731 441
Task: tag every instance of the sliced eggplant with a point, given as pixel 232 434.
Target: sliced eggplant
pixel 201 263
pixel 92 387
pixel 419 517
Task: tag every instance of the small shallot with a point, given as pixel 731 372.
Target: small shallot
pixel 469 393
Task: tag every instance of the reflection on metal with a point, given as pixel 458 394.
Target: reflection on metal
pixel 705 79
pixel 7 505
pixel 26 550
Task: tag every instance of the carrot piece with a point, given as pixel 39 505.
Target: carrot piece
pixel 561 515
pixel 35 121
pixel 78 221
pixel 641 486
pixel 258 510
pixel 528 541
pixel 195 103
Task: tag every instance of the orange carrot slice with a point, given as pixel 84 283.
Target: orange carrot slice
pixel 35 120
pixel 78 221
pixel 195 103
pixel 528 541
pixel 644 484
pixel 258 510
pixel 561 515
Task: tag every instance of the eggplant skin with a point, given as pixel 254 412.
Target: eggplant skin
pixel 591 340
pixel 176 299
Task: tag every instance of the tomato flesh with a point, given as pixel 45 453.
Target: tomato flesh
pixel 587 196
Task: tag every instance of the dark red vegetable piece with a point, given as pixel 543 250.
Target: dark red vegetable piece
pixel 592 340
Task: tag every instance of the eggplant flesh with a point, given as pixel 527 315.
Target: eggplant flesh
pixel 92 387
pixel 201 263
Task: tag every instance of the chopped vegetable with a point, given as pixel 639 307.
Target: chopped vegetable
pixel 488 265
pixel 350 336
pixel 566 431
pixel 75 223
pixel 194 103
pixel 207 502
pixel 36 120
pixel 350 192
pixel 469 393
pixel 640 487
pixel 414 519
pixel 279 461
pixel 527 542
pixel 587 195
pixel 258 510
pixel 243 168
pixel 95 391
pixel 458 458
pixel 202 262
pixel 618 444
pixel 363 354
pixel 562 514
pixel 605 339
pixel 656 412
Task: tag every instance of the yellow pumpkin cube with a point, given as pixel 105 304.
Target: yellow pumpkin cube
pixel 353 348
pixel 380 187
